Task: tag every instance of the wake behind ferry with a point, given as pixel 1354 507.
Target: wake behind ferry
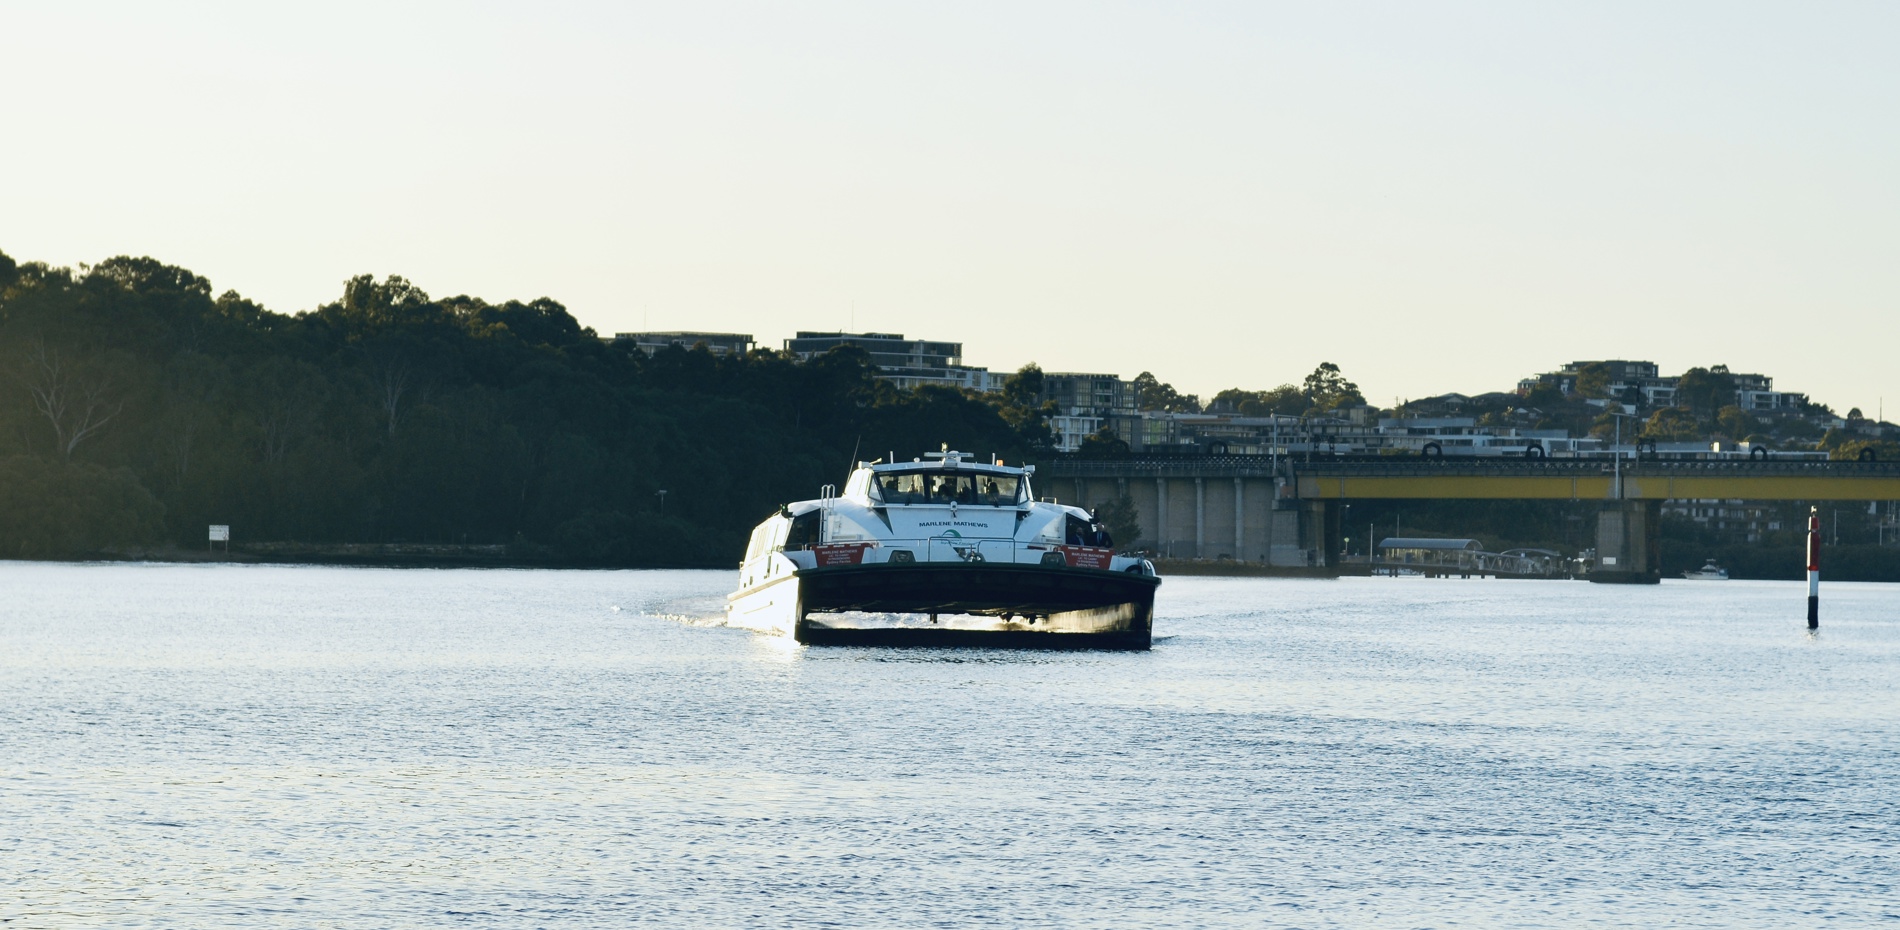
pixel 942 551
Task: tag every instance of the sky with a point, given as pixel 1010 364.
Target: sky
pixel 1435 196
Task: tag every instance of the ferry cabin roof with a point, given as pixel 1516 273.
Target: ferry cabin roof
pixel 965 484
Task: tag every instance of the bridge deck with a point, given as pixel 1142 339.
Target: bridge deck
pixel 1595 480
pixel 1386 477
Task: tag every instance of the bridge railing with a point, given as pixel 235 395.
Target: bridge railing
pixel 1407 467
pixel 1264 466
pixel 1164 466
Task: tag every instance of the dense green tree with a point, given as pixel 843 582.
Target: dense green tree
pixel 1231 399
pixel 1736 423
pixel 1321 392
pixel 1020 405
pixel 51 509
pixel 390 415
pixel 1543 396
pixel 1103 444
pixel 1704 391
pixel 1604 427
pixel 1853 449
pixel 1327 389
pixel 1593 380
pixel 1287 400
pixel 1121 520
pixel 1672 424
pixel 1797 429
pixel 1152 394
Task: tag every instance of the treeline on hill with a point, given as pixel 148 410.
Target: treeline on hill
pixel 136 408
pixel 1321 393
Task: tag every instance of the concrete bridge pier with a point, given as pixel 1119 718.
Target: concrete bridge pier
pixel 1322 533
pixel 1629 547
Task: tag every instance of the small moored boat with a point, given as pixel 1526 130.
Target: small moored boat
pixel 1708 572
pixel 942 551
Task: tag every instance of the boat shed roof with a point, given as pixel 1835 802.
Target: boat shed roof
pixel 1411 542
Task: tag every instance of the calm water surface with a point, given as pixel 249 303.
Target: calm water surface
pixel 190 746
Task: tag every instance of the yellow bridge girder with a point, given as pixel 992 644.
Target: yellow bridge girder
pixel 1321 486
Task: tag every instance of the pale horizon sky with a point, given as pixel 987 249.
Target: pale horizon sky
pixel 1437 197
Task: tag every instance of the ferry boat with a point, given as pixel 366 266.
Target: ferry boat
pixel 1708 572
pixel 942 551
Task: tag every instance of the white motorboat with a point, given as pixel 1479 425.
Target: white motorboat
pixel 1708 572
pixel 942 551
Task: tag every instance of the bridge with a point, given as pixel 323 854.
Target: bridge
pixel 1283 510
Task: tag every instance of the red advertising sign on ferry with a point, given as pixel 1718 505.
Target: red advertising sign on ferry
pixel 1087 556
pixel 840 553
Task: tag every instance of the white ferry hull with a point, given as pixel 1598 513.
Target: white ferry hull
pixel 992 605
pixel 942 553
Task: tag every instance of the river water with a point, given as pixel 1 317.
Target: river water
pixel 221 746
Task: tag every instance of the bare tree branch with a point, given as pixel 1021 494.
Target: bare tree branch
pixel 75 404
pixel 395 372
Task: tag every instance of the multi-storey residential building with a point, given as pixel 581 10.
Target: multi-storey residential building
pixel 716 343
pixel 1085 403
pixel 1753 392
pixel 1656 390
pixel 1757 392
pixel 907 363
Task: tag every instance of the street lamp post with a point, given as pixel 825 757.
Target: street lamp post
pixel 662 496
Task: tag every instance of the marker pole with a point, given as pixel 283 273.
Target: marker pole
pixel 1814 568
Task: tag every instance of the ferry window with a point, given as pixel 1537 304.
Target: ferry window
pixel 1077 531
pixel 941 488
pixel 905 488
pixel 1002 490
pixel 945 489
pixel 804 531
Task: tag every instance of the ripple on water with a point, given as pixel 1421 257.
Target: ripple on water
pixel 246 746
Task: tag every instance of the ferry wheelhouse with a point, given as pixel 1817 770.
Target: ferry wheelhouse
pixel 942 551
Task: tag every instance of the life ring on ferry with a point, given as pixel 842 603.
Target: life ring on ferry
pixel 1868 455
pixel 1431 450
pixel 1758 453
